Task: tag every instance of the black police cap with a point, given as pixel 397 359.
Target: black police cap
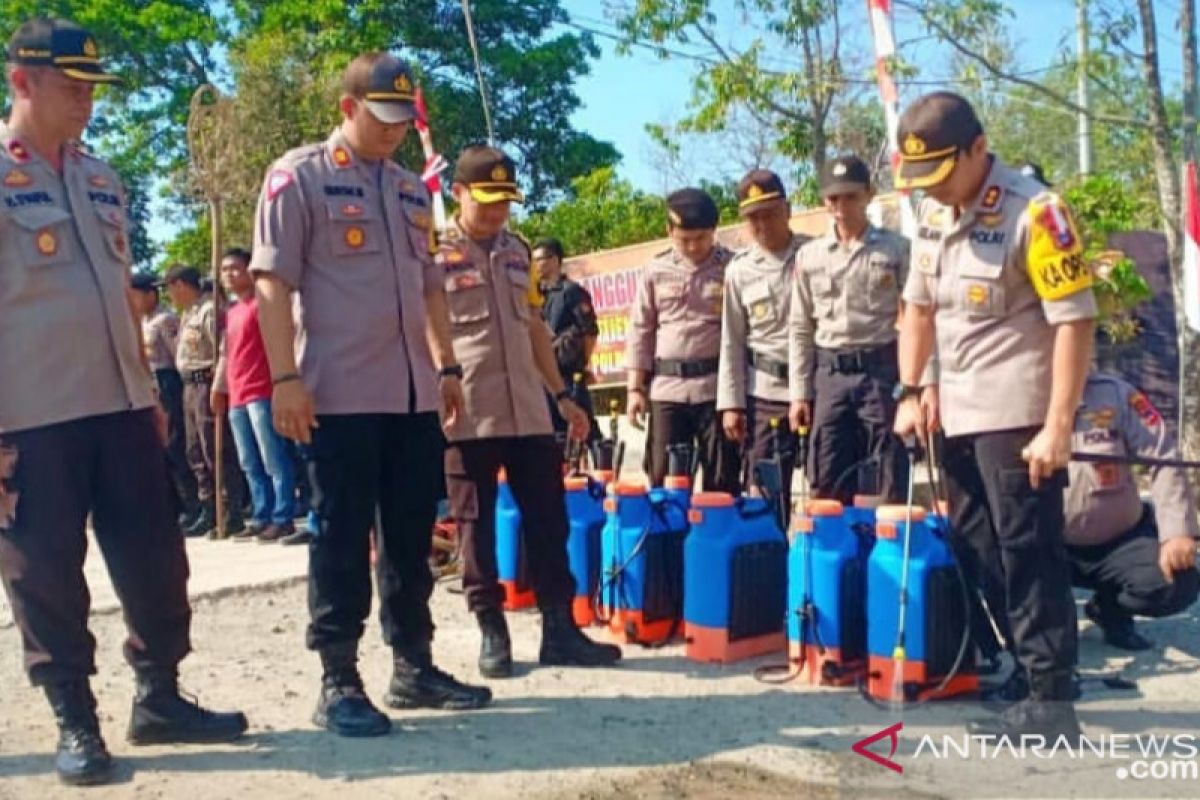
pixel 692 210
pixel 757 187
pixel 58 43
pixel 391 92
pixel 489 174
pixel 844 175
pixel 931 133
pixel 182 272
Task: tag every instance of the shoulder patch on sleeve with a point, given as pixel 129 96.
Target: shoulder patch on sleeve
pixel 1145 410
pixel 277 181
pixel 1054 255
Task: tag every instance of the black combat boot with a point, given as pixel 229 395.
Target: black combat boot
pixel 1116 625
pixel 563 644
pixel 81 758
pixel 417 683
pixel 1048 711
pixel 495 650
pixel 343 707
pixel 205 522
pixel 162 716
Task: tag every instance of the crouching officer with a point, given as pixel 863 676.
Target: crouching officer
pixel 843 342
pixel 999 285
pixel 567 309
pixel 80 433
pixel 347 231
pixel 752 383
pixel 1138 559
pixel 507 366
pixel 674 346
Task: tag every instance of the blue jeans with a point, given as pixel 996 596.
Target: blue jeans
pixel 267 462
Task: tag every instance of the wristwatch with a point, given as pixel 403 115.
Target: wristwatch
pixel 565 394
pixel 451 371
pixel 903 391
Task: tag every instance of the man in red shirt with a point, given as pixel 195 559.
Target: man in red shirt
pixel 243 383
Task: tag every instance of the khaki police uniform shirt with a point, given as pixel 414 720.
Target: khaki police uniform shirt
pixel 492 301
pixel 352 240
pixel 1000 277
pixel 68 341
pixel 676 314
pixel 845 297
pixel 1102 501
pixel 757 303
pixel 160 337
pixel 196 349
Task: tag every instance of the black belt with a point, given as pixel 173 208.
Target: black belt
pixel 772 366
pixel 853 361
pixel 685 368
pixel 199 376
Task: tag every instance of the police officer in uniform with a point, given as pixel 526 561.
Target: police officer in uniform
pixel 80 433
pixel 344 233
pixel 674 345
pixel 1138 559
pixel 160 335
pixel 567 309
pixel 752 383
pixel 508 365
pixel 845 304
pixel 196 358
pixel 1000 287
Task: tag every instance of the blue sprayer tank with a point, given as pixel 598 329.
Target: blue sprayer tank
pixel 826 621
pixel 585 517
pixel 934 620
pixel 641 579
pixel 735 579
pixel 510 556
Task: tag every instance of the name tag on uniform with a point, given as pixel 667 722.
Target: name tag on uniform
pixel 343 191
pixel 24 199
pixel 986 237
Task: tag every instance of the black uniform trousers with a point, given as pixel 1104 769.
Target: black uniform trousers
pixel 852 448
pixel 1007 531
pixel 697 425
pixel 202 447
pixel 110 467
pixel 381 472
pixel 764 443
pixel 170 397
pixel 1125 576
pixel 534 468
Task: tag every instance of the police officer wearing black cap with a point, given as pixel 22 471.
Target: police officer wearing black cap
pixel 160 338
pixel 343 233
pixel 567 309
pixel 1000 287
pixel 674 345
pixel 752 391
pixel 80 433
pixel 843 342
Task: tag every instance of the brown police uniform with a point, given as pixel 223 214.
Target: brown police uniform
pixel 160 338
pixel 753 371
pixel 1112 537
pixel 196 359
pixel 77 432
pixel 1001 275
pixel 507 424
pixel 675 335
pixel 351 239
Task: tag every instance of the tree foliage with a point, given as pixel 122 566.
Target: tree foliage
pixel 604 212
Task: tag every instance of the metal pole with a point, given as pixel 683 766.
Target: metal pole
pixel 1085 123
pixel 214 210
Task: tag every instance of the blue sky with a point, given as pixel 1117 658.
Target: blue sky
pixel 624 93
